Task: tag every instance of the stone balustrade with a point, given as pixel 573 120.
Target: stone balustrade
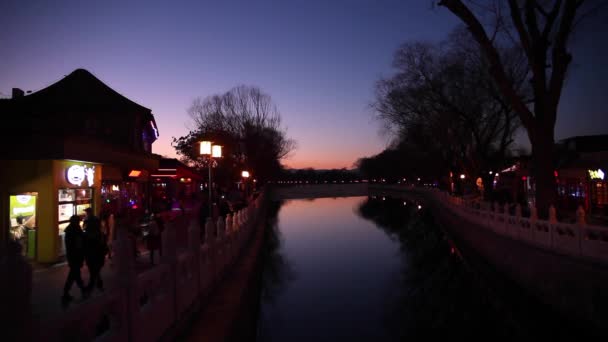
pixel 579 240
pixel 146 305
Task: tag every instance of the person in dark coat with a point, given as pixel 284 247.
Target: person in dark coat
pixel 74 248
pixel 154 240
pixel 95 249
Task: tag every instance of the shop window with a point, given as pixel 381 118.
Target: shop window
pixel 23 221
pixel 71 202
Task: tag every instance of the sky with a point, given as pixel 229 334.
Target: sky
pixel 317 59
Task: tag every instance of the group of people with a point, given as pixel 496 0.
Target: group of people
pixel 84 245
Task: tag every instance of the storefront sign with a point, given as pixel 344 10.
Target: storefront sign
pixel 596 174
pixel 22 205
pixel 76 174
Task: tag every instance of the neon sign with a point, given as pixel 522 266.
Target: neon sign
pixel 76 174
pixel 596 174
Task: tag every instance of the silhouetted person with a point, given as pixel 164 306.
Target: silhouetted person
pixel 95 249
pixel 224 207
pixel 74 248
pixel 153 240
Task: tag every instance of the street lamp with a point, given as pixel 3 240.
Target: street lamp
pixel 210 151
pixel 245 175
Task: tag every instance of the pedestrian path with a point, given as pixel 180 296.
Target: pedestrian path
pixel 47 285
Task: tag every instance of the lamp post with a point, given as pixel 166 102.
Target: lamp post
pixel 245 175
pixel 210 151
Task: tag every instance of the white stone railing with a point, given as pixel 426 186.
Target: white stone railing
pixel 145 305
pixel 579 239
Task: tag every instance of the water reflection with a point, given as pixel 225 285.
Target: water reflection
pixel 442 295
pixel 277 270
pixel 380 269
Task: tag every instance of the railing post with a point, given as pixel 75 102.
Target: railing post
pixel 194 245
pixel 506 215
pixel 552 215
pixel 580 216
pixel 169 257
pixel 123 258
pixel 15 310
pixel 580 225
pixel 209 229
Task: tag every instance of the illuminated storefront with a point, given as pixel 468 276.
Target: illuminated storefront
pixel 42 197
pixel 172 182
pixel 77 142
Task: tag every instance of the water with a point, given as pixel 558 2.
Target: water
pixel 380 269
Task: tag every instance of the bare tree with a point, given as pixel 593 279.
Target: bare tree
pixel 542 29
pixel 247 123
pixel 443 100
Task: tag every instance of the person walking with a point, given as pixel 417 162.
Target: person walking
pixel 153 240
pixel 74 248
pixel 95 249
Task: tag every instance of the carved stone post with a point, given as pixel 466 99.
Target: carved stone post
pixel 505 216
pixel 552 215
pixel 580 216
pixel 518 212
pixel 533 215
pixel 209 231
pixel 15 293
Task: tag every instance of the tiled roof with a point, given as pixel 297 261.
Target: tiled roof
pixel 80 91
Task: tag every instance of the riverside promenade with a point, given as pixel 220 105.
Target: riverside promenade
pixel 145 302
pixel 564 265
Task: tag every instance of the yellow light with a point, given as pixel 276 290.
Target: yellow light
pixel 206 147
pixel 245 174
pixel 216 151
pixel 134 173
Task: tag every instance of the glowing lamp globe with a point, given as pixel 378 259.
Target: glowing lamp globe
pixel 206 148
pixel 216 151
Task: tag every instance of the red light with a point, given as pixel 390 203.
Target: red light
pixel 524 178
pixel 134 206
pixel 555 173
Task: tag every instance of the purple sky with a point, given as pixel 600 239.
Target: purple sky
pixel 317 59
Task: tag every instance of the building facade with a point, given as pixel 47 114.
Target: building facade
pixel 72 145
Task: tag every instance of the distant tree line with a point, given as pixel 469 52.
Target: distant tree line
pixel 319 176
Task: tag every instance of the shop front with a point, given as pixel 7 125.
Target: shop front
pixel 125 189
pixel 598 191
pixel 43 194
pixel 173 182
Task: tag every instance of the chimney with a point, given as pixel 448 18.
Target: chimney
pixel 17 93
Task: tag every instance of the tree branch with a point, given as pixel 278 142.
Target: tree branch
pixel 496 68
pixel 561 58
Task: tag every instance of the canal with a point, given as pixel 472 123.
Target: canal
pixel 374 268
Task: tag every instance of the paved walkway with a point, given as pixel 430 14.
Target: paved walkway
pixel 48 281
pixel 47 285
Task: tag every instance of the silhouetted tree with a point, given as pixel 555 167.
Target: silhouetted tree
pixel 443 100
pixel 542 29
pixel 247 124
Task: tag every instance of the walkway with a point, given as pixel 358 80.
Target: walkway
pixel 48 281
